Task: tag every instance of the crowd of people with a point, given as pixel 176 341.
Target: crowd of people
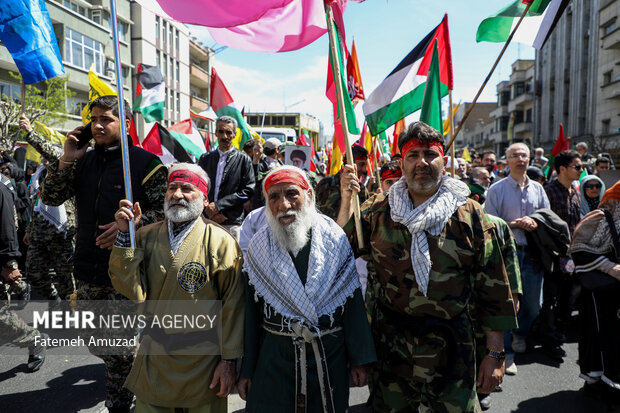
pixel 425 293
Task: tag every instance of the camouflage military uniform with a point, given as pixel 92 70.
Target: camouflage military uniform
pixel 59 186
pixel 50 247
pixel 13 329
pixel 429 358
pixel 328 196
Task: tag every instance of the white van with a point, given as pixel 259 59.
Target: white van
pixel 283 134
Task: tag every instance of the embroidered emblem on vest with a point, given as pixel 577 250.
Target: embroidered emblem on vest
pixel 192 277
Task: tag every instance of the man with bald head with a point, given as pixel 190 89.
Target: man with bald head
pixel 435 255
pixel 305 326
pixel 184 257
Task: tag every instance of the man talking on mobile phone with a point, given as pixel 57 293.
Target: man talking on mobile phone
pixel 95 178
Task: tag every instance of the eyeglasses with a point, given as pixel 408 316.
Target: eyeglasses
pixel 593 186
pixel 519 156
pixel 225 132
pixel 577 167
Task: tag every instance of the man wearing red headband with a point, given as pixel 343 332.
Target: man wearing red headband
pixel 390 174
pixel 434 251
pixel 184 257
pixel 328 189
pixel 306 326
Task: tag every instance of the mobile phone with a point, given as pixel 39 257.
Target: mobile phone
pixel 85 136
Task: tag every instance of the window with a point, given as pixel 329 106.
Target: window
pixel 75 106
pixel 609 28
pixel 82 51
pixel 171 69
pixel 158 60
pixel 504 98
pixel 290 121
pixel 607 77
pixel 528 115
pixel 10 90
pixel 75 7
pixel 164 65
pixel 605 126
pixel 518 89
pixel 178 71
pixel 518 117
pixel 125 76
pixel 123 30
pixel 96 16
pixel 178 102
pixel 157 27
pixel 176 40
pixel 164 27
pixel 171 37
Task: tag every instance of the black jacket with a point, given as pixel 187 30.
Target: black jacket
pixel 550 239
pixel 237 184
pixel 9 245
pixel 99 187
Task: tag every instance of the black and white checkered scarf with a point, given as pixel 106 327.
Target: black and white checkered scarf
pixel 331 279
pixel 430 216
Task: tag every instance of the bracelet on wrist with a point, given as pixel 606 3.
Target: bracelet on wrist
pixel 499 355
pixel 67 162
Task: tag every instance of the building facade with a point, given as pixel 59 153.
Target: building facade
pixel 84 35
pixel 477 131
pixel 158 42
pixel 296 121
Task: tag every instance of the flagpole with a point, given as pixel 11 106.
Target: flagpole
pixel 473 103
pixel 343 116
pixel 452 149
pixel 23 109
pixel 121 115
pixel 374 154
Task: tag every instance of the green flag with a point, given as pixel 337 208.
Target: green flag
pixel 431 105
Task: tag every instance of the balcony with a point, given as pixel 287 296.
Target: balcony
pixel 499 112
pixel 520 101
pixel 198 77
pixel 523 127
pixel 198 104
pixel 498 136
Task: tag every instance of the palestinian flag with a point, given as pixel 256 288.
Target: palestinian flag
pixel 535 28
pixel 150 93
pixel 161 143
pixel 402 91
pixel 561 145
pixel 398 129
pixel 189 137
pixel 431 105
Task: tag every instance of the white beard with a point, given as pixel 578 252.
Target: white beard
pixel 188 211
pixel 295 235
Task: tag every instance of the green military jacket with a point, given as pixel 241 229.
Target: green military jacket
pixel 328 196
pixel 467 266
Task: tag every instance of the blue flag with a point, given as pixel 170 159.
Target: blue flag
pixel 26 31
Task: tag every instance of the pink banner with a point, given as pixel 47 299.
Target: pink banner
pixel 215 13
pixel 291 27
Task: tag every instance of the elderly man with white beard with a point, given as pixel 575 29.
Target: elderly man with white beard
pixel 306 325
pixel 184 257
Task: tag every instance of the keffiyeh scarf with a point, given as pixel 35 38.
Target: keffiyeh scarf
pixel 55 215
pixel 332 276
pixel 177 237
pixel 430 216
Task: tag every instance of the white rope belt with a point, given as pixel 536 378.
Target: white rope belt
pixel 301 335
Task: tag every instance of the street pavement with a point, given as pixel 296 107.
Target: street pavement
pixel 76 384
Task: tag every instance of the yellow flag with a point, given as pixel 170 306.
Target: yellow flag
pixel 97 87
pixel 446 123
pixel 336 164
pixel 51 135
pixel 466 155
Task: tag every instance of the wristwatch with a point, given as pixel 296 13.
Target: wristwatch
pixel 12 265
pixel 500 355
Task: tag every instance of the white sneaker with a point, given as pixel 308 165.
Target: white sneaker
pixel 511 367
pixel 518 344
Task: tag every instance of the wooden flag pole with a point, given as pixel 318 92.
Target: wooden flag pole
pixel 452 149
pixel 374 154
pixel 473 103
pixel 343 117
pixel 23 109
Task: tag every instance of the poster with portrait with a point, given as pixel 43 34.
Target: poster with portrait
pixel 297 155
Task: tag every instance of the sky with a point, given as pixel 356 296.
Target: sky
pixel 384 32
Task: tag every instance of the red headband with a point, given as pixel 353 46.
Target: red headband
pixel 391 174
pixel 415 143
pixel 286 176
pixel 184 175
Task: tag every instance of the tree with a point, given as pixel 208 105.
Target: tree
pixel 45 102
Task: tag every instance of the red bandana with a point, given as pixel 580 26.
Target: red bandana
pixel 183 175
pixel 390 174
pixel 286 176
pixel 415 143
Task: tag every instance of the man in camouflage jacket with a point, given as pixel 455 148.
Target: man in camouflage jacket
pixel 438 265
pixel 48 246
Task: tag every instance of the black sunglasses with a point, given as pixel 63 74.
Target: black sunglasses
pixel 593 186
